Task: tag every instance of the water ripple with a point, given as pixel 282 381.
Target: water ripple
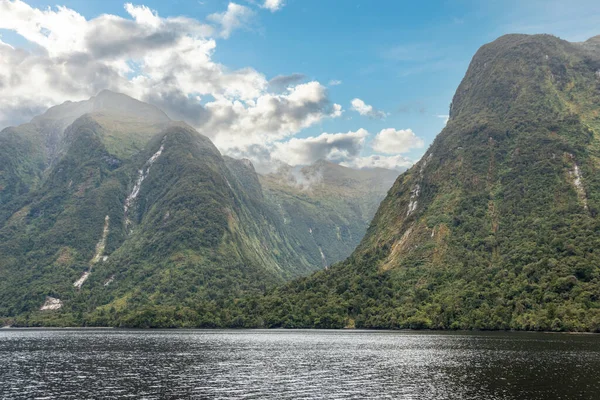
pixel 89 364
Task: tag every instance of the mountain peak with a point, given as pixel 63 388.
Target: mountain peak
pixel 493 228
pixel 121 104
pixel 505 76
pixel 593 39
pixel 109 93
pixel 322 162
pixel 107 102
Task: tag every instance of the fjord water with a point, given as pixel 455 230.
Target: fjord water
pixel 82 364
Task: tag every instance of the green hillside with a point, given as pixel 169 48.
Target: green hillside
pixel 326 207
pixel 114 215
pixel 497 226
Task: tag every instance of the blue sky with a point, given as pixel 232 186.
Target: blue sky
pixel 404 58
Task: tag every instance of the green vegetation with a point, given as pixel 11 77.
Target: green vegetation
pixel 198 234
pixel 326 208
pixel 496 227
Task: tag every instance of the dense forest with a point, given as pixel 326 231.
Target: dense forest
pixel 108 206
pixel 495 228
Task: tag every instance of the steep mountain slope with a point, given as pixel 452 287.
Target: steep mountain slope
pixel 162 228
pixel 123 217
pixel 327 207
pixel 497 226
pixel 27 151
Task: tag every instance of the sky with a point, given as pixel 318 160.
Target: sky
pixel 363 83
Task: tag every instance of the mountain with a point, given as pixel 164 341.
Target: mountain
pixel 327 207
pixel 29 150
pixel 497 226
pixel 112 214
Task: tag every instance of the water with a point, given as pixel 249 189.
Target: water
pixel 108 364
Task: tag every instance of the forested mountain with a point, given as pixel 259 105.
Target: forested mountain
pixel 122 219
pixel 326 207
pixel 497 226
pixel 112 214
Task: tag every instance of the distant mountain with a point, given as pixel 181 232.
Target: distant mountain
pixel 497 226
pixel 112 214
pixel 326 207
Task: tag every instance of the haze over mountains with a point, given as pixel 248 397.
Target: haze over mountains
pixel 108 205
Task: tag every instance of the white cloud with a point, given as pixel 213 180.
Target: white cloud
pixel 335 147
pixel 143 15
pixel 366 110
pixel 396 162
pixel 169 62
pixel 164 61
pixel 282 82
pixel 392 141
pixel 273 5
pixel 235 17
pixel 335 82
pixel 445 117
pixel 269 118
pixel 342 148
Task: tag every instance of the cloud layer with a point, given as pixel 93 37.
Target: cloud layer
pixel 234 18
pixel 336 147
pixel 273 5
pixel 396 162
pixel 392 141
pixel 164 61
pixel 283 82
pixel 169 62
pixel 346 149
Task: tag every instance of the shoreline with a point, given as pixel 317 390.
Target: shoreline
pixel 421 331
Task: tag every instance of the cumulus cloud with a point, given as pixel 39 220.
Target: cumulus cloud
pixel 235 17
pixel 396 162
pixel 282 82
pixel 345 149
pixel 392 141
pixel 169 62
pixel 335 147
pixel 270 117
pixel 164 61
pixel 366 110
pixel 273 5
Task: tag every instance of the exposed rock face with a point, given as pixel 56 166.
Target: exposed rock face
pixel 51 304
pixel 142 174
pixel 575 175
pixel 99 255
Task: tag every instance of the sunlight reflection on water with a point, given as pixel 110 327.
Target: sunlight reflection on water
pixel 78 364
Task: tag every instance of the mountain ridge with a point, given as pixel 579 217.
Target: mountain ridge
pixel 496 226
pixel 136 220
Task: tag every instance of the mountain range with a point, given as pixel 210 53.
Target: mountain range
pixel 118 216
pixel 109 209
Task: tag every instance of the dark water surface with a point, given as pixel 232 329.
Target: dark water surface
pixel 108 364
